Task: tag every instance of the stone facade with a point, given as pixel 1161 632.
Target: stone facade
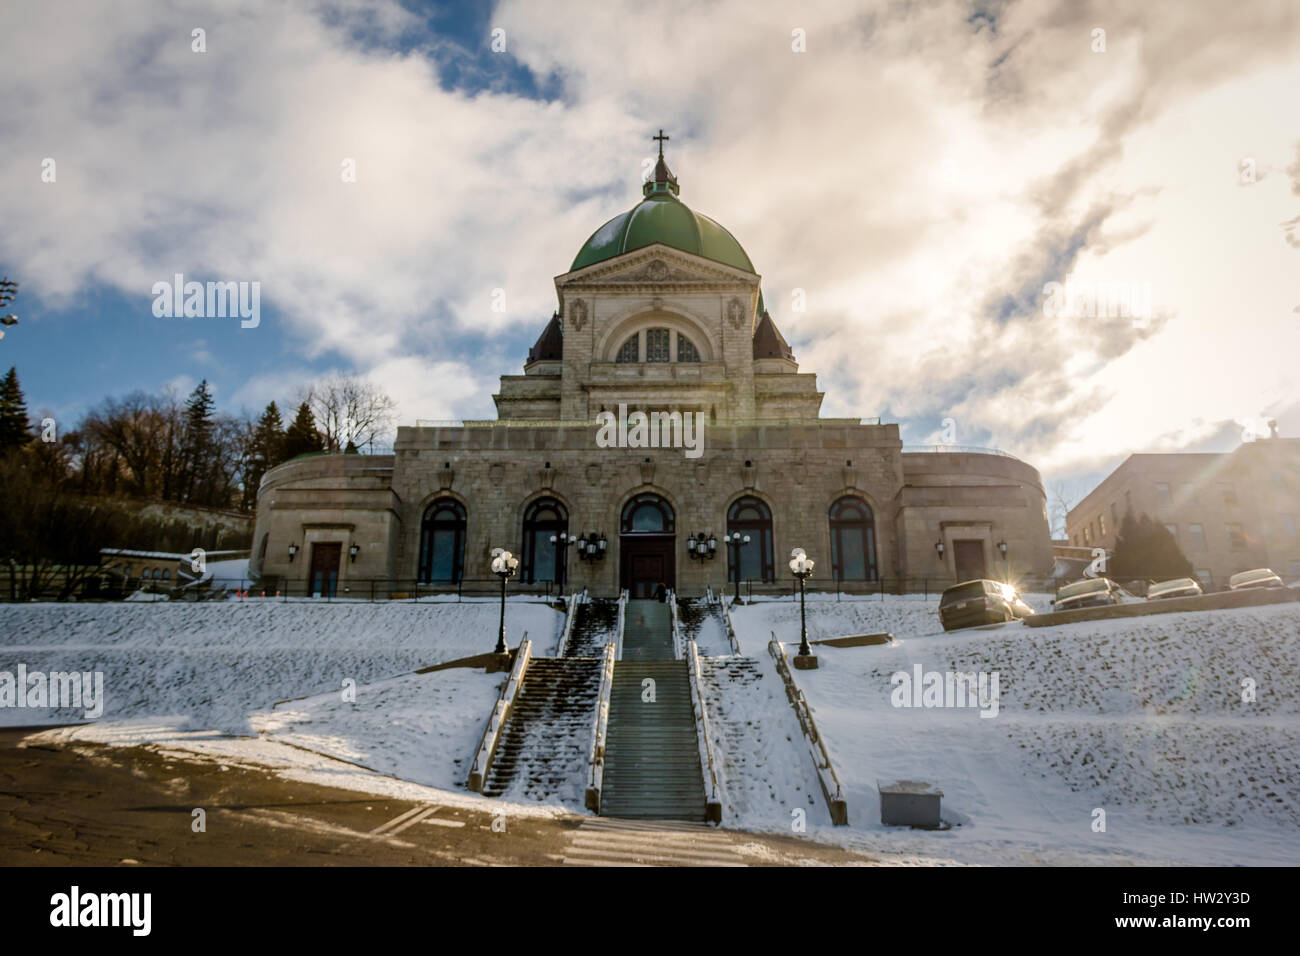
pixel 660 330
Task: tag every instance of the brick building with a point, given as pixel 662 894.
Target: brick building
pixel 1229 512
pixel 661 323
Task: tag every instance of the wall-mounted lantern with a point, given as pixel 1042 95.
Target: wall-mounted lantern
pixel 293 549
pixel 353 551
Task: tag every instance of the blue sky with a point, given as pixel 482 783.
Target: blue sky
pixel 916 175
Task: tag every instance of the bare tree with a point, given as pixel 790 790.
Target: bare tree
pixel 1062 496
pixel 350 412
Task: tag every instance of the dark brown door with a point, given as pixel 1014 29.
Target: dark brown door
pixel 646 563
pixel 968 556
pixel 324 578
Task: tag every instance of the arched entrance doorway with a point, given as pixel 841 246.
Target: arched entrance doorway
pixel 647 545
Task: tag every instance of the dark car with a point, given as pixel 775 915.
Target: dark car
pixel 980 602
pixel 1258 578
pixel 1178 587
pixel 1091 592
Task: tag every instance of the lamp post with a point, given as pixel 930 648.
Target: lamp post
pixel 702 547
pixel 504 565
pixel 734 542
pixel 562 541
pixel 801 566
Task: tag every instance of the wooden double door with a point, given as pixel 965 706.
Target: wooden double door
pixel 645 562
pixel 323 577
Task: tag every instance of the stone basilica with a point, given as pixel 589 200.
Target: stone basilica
pixel 661 320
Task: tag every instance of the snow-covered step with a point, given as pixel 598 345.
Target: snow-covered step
pixel 648 631
pixel 706 624
pixel 543 748
pixel 594 624
pixel 762 766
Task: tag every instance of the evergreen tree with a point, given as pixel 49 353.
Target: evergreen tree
pixel 301 436
pixel 265 451
pixel 1145 550
pixel 196 445
pixel 14 423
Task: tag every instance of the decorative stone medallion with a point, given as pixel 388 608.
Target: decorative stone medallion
pixel 736 312
pixel 578 313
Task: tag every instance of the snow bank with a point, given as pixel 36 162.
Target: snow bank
pixel 208 665
pixel 1142 718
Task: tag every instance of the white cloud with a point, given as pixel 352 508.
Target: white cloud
pixel 910 172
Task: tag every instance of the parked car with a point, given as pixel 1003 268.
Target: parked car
pixel 1258 578
pixel 1091 592
pixel 980 602
pixel 1178 587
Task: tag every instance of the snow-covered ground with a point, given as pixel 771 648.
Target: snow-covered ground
pixel 208 665
pixel 1142 718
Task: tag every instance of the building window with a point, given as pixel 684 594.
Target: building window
pixel 751 516
pixel 167 575
pixel 686 350
pixel 647 514
pixel 261 549
pixel 1173 531
pixel 1206 577
pixel 853 541
pixel 1087 536
pixel 656 346
pixel 1187 492
pixel 1288 526
pixel 442 542
pixel 1196 536
pixel 1229 496
pixel 630 352
pixel 544 519
pixel 1162 492
pixel 1236 539
pixel 1101 524
pixel 1114 514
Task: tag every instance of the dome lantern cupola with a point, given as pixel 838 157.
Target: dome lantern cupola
pixel 663 179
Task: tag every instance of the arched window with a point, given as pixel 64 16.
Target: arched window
pixel 853 541
pixel 167 575
pixel 442 542
pixel 686 350
pixel 751 516
pixel 544 519
pixel 656 345
pixel 630 352
pixel 647 514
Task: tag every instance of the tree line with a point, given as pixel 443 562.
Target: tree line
pixel 70 492
pixel 160 447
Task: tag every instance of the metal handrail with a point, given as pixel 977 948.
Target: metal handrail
pixel 835 802
pixel 569 617
pixel 672 614
pixel 713 810
pixel 599 731
pixel 500 714
pixel 618 630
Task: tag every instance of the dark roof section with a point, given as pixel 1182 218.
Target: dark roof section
pixel 550 344
pixel 768 341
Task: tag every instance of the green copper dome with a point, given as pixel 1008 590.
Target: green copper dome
pixel 662 217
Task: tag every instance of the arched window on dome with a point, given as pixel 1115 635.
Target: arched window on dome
pixel 686 350
pixel 442 542
pixel 853 540
pixel 657 345
pixel 630 352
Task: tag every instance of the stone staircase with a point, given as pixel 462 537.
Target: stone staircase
pixel 543 747
pixel 594 624
pixel 652 763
